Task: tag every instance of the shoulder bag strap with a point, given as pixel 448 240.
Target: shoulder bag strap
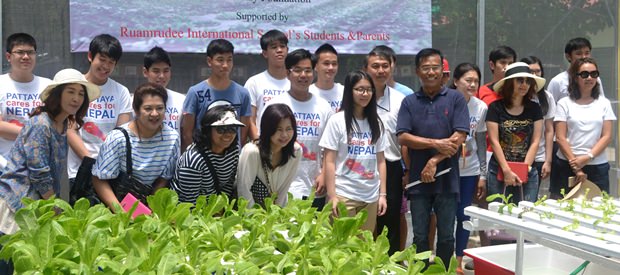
pixel 214 176
pixel 267 178
pixel 129 164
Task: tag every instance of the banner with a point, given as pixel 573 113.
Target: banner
pixel 187 26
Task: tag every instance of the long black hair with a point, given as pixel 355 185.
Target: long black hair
pixel 370 112
pixel 272 116
pixel 541 94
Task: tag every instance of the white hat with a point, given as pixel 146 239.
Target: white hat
pixel 519 69
pixel 71 76
pixel 227 119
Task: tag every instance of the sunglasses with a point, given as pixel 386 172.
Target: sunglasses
pixel 585 74
pixel 226 129
pixel 526 80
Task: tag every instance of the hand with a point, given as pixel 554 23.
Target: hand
pixel 481 189
pixel 405 179
pixel 579 162
pixel 319 186
pixel 511 179
pixel 546 170
pixel 334 202
pixel 446 146
pixel 381 205
pixel 428 173
pixel 580 176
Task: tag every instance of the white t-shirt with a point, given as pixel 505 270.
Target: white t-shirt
pixel 558 86
pixel 100 120
pixel 263 87
pixel 333 95
pixel 387 108
pixel 357 175
pixel 174 110
pixel 540 154
pixel 469 165
pixel 311 117
pixel 584 125
pixel 17 101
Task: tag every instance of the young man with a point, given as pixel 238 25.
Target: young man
pixel 378 64
pixel 499 59
pixel 157 70
pixel 111 109
pixel 19 89
pixel 218 89
pixel 311 113
pixel 325 62
pixel 392 83
pixel 273 81
pixel 575 48
pixel 433 141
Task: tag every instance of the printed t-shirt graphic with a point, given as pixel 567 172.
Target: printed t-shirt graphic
pixel 174 108
pixel 262 88
pixel 333 96
pixel 17 101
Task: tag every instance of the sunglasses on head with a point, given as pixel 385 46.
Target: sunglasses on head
pixel 225 129
pixel 585 74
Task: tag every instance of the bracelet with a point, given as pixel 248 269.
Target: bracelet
pixel 383 194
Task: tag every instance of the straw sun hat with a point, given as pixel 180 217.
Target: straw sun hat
pixel 71 76
pixel 516 70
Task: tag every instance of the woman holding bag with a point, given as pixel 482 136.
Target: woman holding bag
pixel 514 127
pixel 269 165
pixel 154 150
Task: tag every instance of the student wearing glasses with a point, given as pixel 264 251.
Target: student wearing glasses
pixel 209 165
pixel 583 127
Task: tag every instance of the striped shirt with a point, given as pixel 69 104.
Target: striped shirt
pixel 193 177
pixel 153 157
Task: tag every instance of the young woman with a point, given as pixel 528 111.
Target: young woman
pixel 544 155
pixel 354 143
pixel 472 163
pixel 583 123
pixel 209 165
pixel 514 127
pixel 154 149
pixel 38 158
pixel 269 165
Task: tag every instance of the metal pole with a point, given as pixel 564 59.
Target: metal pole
pixel 480 45
pixel 519 260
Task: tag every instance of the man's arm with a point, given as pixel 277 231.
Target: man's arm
pixel 9 130
pixel 253 130
pixel 245 130
pixel 123 118
pixel 446 146
pixel 187 130
pixel 76 143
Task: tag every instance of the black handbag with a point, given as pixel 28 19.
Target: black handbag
pixel 125 182
pixel 261 190
pixel 82 186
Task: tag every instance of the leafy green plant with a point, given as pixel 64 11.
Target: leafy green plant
pixel 573 226
pixel 216 236
pixel 505 200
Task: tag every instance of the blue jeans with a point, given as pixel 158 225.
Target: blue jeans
pixel 445 209
pixel 530 189
pixel 468 190
pixel 597 173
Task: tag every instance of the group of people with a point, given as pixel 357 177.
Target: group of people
pixel 292 129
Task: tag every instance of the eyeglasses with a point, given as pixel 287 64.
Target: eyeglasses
pixel 585 74
pixel 24 53
pixel 363 90
pixel 426 69
pixel 225 129
pixel 298 70
pixel 524 80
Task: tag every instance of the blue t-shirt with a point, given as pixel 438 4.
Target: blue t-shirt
pixel 435 118
pixel 200 96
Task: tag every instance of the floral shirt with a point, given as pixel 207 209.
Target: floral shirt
pixel 36 164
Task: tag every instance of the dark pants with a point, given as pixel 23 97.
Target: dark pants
pixel 319 203
pixel 445 208
pixel 391 218
pixel 598 174
pixel 469 186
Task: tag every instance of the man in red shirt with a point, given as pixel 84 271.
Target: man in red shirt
pixel 499 59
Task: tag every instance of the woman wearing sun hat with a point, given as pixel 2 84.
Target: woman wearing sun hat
pixel 514 125
pixel 38 159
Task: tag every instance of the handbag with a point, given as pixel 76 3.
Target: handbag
pixel 82 186
pixel 125 183
pixel 260 190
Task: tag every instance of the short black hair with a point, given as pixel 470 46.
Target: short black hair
pixel 381 52
pixel 462 69
pixel 388 51
pixel 576 44
pixel 156 55
pixel 107 45
pixel 20 38
pixel 325 48
pixel 501 52
pixel 220 46
pixel 272 36
pixel 426 52
pixel 297 56
pixel 148 89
